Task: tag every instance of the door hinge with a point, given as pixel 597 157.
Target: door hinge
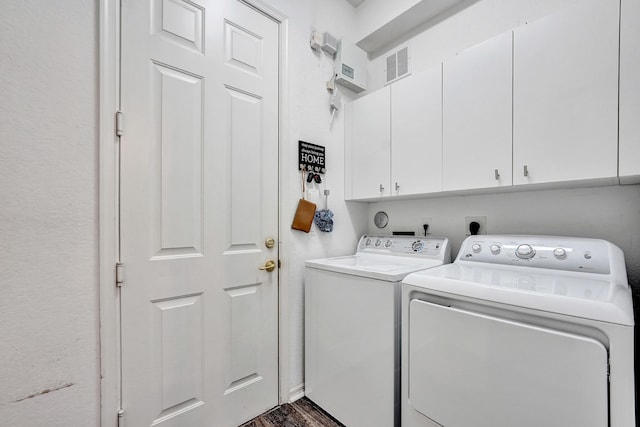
pixel 119 123
pixel 119 274
pixel 121 418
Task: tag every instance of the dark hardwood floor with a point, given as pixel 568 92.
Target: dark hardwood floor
pixel 301 413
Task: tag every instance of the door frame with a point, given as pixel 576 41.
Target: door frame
pixel 109 208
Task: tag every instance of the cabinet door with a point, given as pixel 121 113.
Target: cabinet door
pixel 566 95
pixel 370 145
pixel 476 150
pixel 416 133
pixel 630 92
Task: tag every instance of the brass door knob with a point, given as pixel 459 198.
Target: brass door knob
pixel 270 243
pixel 269 265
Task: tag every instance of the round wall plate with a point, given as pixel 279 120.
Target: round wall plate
pixel 381 219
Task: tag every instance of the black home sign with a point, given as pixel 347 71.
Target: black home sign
pixel 311 157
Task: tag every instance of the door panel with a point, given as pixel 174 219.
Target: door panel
pixel 416 133
pixel 180 21
pixel 503 373
pixel 246 153
pixel 178 322
pixel 371 145
pixel 176 116
pixel 477 116
pixel 565 95
pixel 199 196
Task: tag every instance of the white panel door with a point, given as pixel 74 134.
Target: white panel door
pixel 370 145
pixel 416 133
pixel 477 118
pixel 629 91
pixel 468 369
pixel 199 196
pixel 565 96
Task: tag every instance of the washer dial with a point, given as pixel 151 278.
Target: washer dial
pixel 560 253
pixel 525 251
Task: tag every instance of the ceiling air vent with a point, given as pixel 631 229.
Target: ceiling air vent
pixel 398 65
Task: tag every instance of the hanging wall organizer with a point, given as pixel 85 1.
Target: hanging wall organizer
pixel 311 158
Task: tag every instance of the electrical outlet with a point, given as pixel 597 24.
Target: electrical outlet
pixel 482 220
pixel 421 227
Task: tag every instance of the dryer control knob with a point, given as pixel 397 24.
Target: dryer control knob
pixel 560 253
pixel 388 244
pixel 525 252
pixel 417 246
pixel 378 242
pixel 476 248
pixel 495 249
pixel 368 243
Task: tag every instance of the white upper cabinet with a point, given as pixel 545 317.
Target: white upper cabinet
pixel 477 119
pixel 368 160
pixel 565 95
pixel 630 92
pixel 554 101
pixel 416 133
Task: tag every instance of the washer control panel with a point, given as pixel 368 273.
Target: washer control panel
pixel 405 245
pixel 557 253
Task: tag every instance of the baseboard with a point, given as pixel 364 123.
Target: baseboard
pixel 296 392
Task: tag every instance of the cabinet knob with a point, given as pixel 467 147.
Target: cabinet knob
pixel 526 170
pixel 497 174
pixel 381 188
pixel 397 187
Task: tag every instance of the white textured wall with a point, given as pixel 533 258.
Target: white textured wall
pixel 49 367
pixel 308 120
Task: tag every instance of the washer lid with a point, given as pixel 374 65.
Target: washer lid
pixel 589 296
pixel 381 267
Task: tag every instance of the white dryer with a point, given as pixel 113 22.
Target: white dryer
pixel 524 331
pixel 352 329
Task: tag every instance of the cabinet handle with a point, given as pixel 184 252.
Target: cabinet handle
pixel 381 188
pixel 497 174
pixel 526 170
pixel 397 187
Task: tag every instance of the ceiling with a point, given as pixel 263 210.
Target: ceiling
pixel 355 3
pixel 417 18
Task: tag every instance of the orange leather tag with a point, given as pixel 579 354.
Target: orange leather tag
pixel 304 216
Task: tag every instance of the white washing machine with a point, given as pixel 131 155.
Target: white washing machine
pixel 524 331
pixel 352 330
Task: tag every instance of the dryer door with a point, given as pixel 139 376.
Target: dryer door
pixel 468 369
